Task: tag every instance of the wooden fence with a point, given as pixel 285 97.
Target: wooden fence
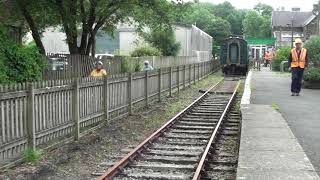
pixel 41 113
pixel 81 66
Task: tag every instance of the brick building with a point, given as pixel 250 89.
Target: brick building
pixel 302 24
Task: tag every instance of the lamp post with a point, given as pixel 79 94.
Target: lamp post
pixel 291 32
pixel 315 11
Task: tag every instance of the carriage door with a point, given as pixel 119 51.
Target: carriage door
pixel 234 53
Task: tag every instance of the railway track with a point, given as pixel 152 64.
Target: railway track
pixel 187 146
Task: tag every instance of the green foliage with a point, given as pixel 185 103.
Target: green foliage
pixel 163 38
pixel 281 55
pixel 313 46
pixel 263 9
pixel 312 74
pixel 125 65
pixel 19 63
pixel 256 25
pixel 145 51
pixel 275 106
pixel 32 156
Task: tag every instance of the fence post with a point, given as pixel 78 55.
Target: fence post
pixel 184 76
pixel 75 103
pixel 30 117
pixel 194 74
pixel 129 88
pixel 199 71
pixel 189 75
pixel 105 98
pixel 178 79
pixel 170 81
pixel 159 88
pixel 146 87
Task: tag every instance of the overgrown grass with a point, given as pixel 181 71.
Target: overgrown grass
pixel 32 156
pixel 237 107
pixel 275 106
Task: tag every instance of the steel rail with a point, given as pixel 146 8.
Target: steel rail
pixel 213 136
pixel 111 172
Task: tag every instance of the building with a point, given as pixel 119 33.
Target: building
pixel 258 46
pixel 194 41
pixel 289 25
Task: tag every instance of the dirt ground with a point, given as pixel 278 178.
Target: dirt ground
pixel 78 160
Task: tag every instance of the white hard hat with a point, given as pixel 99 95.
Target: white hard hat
pixel 146 62
pixel 99 62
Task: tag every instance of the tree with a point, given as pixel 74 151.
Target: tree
pixel 163 38
pixel 256 26
pixel 228 12
pixel 263 9
pixel 81 19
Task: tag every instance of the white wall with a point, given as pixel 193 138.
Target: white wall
pixel 129 40
pixel 183 36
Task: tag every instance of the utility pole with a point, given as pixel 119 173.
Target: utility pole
pixel 315 11
pixel 292 32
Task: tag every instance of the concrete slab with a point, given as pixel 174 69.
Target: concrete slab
pixel 301 113
pixel 268 148
pixel 269 144
pixel 276 175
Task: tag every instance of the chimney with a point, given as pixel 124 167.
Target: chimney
pixel 296 9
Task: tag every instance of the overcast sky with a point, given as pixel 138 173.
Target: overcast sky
pixel 305 5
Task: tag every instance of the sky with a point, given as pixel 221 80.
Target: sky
pixel 305 5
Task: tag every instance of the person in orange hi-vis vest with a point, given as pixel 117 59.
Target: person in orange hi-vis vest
pixel 267 58
pixel 298 61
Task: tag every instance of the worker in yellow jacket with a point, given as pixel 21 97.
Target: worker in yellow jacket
pixel 298 61
pixel 98 71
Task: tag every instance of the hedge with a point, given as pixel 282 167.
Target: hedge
pixel 282 54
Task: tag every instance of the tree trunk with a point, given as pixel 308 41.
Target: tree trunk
pixel 93 48
pixel 32 25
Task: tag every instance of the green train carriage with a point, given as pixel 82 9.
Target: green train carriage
pixel 234 59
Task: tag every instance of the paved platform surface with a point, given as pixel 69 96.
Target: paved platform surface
pixel 269 149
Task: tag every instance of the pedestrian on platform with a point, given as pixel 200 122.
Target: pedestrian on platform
pixel 298 61
pixel 147 66
pixel 98 71
pixel 267 58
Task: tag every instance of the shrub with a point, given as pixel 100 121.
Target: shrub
pixel 313 46
pixel 164 39
pixel 282 54
pixel 312 74
pixel 125 65
pixel 19 63
pixel 145 51
pixel 32 156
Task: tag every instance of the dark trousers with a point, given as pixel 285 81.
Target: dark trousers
pixel 297 74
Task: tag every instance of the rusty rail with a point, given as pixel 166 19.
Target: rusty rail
pixel 111 172
pixel 214 134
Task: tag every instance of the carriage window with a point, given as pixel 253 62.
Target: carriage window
pixel 234 53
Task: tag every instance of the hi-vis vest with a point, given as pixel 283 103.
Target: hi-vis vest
pixel 301 61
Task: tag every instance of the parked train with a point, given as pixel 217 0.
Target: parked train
pixel 234 59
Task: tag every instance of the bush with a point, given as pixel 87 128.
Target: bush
pixel 312 74
pixel 282 54
pixel 19 63
pixel 146 51
pixel 164 39
pixel 313 47
pixel 32 156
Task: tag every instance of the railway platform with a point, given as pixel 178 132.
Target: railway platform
pixel 270 146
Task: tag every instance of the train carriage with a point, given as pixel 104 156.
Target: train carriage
pixel 234 58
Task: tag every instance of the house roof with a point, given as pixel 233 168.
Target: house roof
pixel 254 41
pixel 283 18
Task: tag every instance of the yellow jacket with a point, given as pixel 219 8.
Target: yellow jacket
pixel 101 73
